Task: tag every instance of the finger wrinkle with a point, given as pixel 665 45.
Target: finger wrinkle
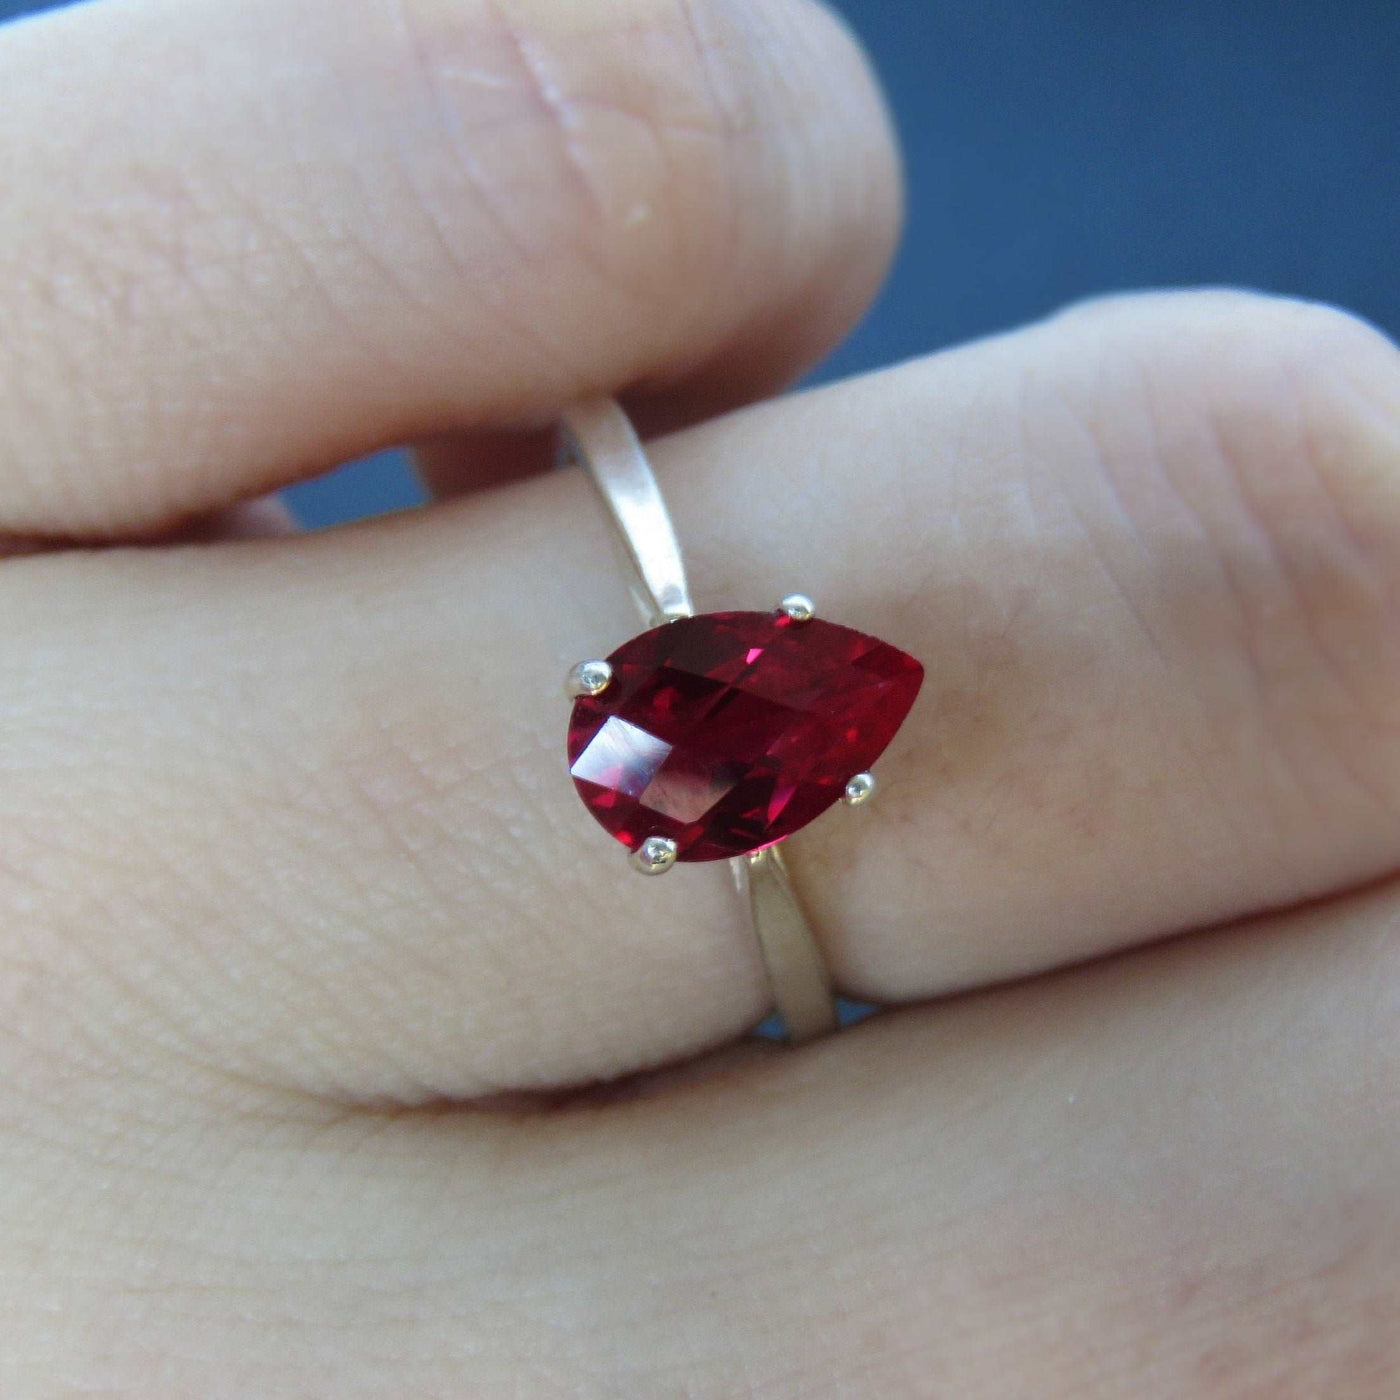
pixel 562 115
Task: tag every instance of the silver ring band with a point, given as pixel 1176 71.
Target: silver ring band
pixel 598 436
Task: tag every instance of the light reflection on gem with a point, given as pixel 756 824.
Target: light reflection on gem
pixel 622 757
pixel 688 794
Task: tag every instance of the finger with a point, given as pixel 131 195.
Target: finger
pixel 1171 1173
pixel 1148 554
pixel 1174 1173
pixel 246 241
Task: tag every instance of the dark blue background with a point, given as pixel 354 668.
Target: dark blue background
pixel 1062 147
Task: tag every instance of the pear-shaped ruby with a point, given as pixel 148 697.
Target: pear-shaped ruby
pixel 729 731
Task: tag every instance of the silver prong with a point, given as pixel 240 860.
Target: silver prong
pixel 655 856
pixel 588 678
pixel 859 790
pixel 799 607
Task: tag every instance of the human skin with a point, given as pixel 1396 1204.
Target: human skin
pixel 340 1054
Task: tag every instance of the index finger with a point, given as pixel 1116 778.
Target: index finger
pixel 243 241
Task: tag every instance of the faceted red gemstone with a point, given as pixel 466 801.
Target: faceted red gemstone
pixel 730 731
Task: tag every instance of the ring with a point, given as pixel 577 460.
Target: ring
pixel 716 736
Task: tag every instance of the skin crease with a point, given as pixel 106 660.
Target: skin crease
pixel 339 1054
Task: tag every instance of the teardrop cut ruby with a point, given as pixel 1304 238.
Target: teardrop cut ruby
pixel 729 731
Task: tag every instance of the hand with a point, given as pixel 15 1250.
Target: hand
pixel 307 945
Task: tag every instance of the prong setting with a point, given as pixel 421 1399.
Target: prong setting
pixel 655 856
pixel 859 790
pixel 798 607
pixel 588 678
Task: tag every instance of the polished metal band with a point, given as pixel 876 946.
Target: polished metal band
pixel 598 436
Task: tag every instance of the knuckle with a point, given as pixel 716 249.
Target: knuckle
pixel 1277 424
pixel 655 145
pixel 1295 405
pixel 1253 442
pixel 579 123
pixel 1304 404
pixel 1346 377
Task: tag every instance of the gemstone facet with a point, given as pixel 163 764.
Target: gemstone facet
pixel 729 731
